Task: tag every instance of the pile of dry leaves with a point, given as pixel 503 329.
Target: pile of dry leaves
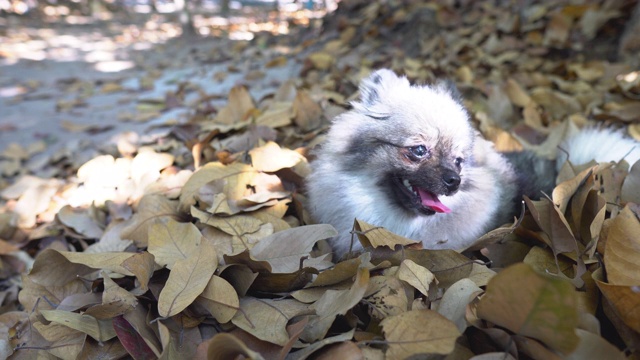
pixel 199 245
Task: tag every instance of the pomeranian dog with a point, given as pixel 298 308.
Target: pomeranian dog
pixel 407 158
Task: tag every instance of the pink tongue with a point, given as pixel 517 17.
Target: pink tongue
pixel 431 200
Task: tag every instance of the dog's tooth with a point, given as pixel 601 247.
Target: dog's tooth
pixel 406 183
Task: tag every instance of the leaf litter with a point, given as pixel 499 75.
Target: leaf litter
pixel 198 244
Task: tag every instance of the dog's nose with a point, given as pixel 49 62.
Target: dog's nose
pixel 451 180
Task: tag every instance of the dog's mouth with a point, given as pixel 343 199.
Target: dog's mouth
pixel 421 199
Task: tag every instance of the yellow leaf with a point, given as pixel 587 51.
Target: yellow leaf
pixel 415 275
pixel 271 157
pixel 375 236
pixel 101 330
pixel 214 171
pixel 173 241
pixel 220 299
pixel 276 115
pixel 622 250
pixel 321 60
pixel 516 93
pixel 187 280
pixel 239 107
pixel 236 225
pixel 407 335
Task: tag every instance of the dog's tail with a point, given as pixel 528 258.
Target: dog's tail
pixel 599 144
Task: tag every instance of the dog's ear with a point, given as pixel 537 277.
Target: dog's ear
pixel 375 84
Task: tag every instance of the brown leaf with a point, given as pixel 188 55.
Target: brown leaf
pixel 101 330
pixel 334 303
pixel 226 346
pixel 631 185
pixel 173 241
pixel 375 236
pixel 267 319
pixel 623 298
pixel 220 299
pixel 516 93
pixel 407 336
pixel 152 208
pixel 308 114
pixel 80 221
pixel 387 296
pixel 285 249
pixel 455 300
pixel 187 280
pixel 321 60
pixel 417 276
pixel 34 195
pixel 116 301
pixel 545 309
pixel 622 250
pixel 238 109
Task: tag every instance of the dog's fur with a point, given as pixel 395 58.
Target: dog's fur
pixel 420 136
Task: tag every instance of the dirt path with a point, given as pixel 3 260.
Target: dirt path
pixel 60 92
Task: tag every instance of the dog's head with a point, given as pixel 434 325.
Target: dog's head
pixel 415 140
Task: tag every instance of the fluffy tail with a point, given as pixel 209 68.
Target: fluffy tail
pixel 599 144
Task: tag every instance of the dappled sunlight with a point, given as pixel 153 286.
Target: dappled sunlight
pixel 116 38
pixel 157 187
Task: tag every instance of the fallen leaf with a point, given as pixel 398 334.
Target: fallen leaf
pixel 622 250
pixel 173 241
pixel 284 250
pixel 375 236
pixel 101 330
pixel 220 299
pixel 415 275
pixel 406 335
pixel 545 309
pixel 187 280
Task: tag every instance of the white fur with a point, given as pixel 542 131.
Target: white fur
pixel 601 145
pixel 338 197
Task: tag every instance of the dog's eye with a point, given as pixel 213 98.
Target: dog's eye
pixel 419 151
pixel 458 161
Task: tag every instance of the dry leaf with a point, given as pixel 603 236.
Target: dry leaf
pixel 545 309
pixel 415 275
pixel 406 335
pixel 220 299
pixel 187 280
pixel 173 241
pixel 375 236
pixel 453 304
pixel 308 114
pixel 101 330
pixel 622 250
pixel 334 303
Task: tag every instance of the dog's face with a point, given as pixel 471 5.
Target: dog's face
pixel 415 141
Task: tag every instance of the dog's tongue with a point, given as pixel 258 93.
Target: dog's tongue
pixel 431 200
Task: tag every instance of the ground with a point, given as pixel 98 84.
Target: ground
pixel 159 211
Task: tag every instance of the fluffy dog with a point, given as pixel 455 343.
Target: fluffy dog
pixel 407 158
